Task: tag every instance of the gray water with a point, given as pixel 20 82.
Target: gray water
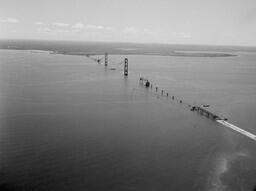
pixel 68 123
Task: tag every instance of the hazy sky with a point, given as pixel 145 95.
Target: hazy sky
pixel 227 22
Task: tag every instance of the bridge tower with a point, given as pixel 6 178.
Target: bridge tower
pixel 126 66
pixel 106 59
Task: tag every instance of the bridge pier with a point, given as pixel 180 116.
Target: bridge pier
pixel 106 59
pixel 126 66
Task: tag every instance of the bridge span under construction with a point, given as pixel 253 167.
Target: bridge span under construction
pixel 202 110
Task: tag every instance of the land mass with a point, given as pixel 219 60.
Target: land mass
pixel 99 48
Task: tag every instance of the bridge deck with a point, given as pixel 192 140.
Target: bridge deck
pixel 209 114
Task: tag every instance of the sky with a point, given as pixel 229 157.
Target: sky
pixel 217 22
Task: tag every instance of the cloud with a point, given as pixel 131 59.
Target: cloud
pixel 61 31
pixel 52 31
pixel 135 31
pixel 100 27
pixel 94 27
pixel 110 28
pixel 44 30
pixel 130 30
pixel 39 23
pixel 60 24
pixel 181 34
pixel 78 26
pixel 9 20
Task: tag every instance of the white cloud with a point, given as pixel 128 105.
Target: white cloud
pixel 44 30
pixel 181 34
pixel 39 23
pixel 9 20
pixel 130 30
pixel 149 31
pixel 135 31
pixel 100 28
pixel 78 26
pixel 60 24
pixel 52 31
pixel 61 31
pixel 109 28
pixel 94 27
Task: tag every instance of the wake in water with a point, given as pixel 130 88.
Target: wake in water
pixel 237 129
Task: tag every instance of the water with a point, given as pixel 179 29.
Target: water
pixel 69 124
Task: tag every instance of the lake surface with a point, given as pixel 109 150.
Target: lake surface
pixel 68 123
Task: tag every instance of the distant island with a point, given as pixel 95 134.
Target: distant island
pixel 173 53
pixel 202 54
pixel 99 48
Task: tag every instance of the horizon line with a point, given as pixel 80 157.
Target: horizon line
pixel 126 42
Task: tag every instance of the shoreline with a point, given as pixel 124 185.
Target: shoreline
pixel 206 54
